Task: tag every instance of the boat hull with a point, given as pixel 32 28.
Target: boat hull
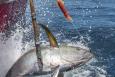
pixel 10 12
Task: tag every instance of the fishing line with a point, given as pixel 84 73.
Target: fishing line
pixel 74 25
pixel 68 17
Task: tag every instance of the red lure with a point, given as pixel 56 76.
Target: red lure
pixel 64 10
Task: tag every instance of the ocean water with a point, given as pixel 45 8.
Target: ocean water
pixel 93 19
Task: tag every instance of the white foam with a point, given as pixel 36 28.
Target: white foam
pixel 11 50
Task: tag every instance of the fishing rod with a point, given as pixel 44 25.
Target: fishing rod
pixel 36 28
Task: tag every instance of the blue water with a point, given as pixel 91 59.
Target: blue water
pixel 94 20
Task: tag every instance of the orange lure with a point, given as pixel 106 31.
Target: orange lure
pixel 64 10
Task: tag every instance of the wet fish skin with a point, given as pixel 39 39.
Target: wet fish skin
pixel 64 56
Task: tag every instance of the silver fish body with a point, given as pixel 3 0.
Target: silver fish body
pixel 64 56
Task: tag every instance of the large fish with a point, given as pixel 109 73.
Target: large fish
pixel 65 57
pixel 60 57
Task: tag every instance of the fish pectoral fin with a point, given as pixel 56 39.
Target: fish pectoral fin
pixel 56 72
pixel 60 74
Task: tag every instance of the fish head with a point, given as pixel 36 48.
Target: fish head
pixel 66 56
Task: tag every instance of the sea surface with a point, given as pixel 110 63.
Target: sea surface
pixel 93 26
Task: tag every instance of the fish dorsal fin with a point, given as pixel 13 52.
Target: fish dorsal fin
pixel 52 39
